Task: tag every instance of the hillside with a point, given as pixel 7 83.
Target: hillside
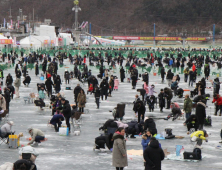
pixel 120 17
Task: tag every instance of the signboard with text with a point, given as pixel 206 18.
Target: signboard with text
pixel 5 41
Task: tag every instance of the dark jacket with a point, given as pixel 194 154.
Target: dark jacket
pixel 168 92
pixel 139 107
pixel 161 97
pixel 77 91
pixel 162 72
pixel 153 155
pixel 49 83
pixel 207 71
pixel 176 110
pixel 67 75
pixel 97 93
pixel 133 125
pixel 149 124
pixel 201 112
pixel 57 84
pixel 66 109
pixel 192 120
pixel 169 75
pixel 122 73
pixel 55 119
pixel 104 85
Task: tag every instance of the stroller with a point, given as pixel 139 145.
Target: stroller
pixel 119 111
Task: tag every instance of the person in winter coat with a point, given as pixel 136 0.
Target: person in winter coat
pixel 134 79
pixel 151 100
pixel 106 74
pixel 203 82
pixel 162 96
pixel 146 139
pixel 207 71
pixel 122 74
pixel 140 108
pixel 36 69
pixel 191 122
pixel 67 76
pixel 44 65
pixel 150 125
pixel 201 113
pixel 76 93
pixel 17 84
pixel 119 150
pixel 57 121
pixel 216 86
pixel 2 102
pixel 191 80
pixel 23 164
pixel 146 87
pixel 153 155
pixel 9 80
pixel 151 90
pixel 101 141
pixel 142 93
pixel 5 130
pixel 41 95
pixel 133 129
pixel 193 67
pixel 7 97
pixel 81 99
pixel 186 74
pixel 162 72
pixel 218 103
pixel 169 95
pixel 36 135
pixel 104 86
pixel 66 110
pixel 27 80
pixel 169 77
pixel 29 150
pixel 57 84
pixel 176 112
pixel 198 137
pixel 97 96
pixel 187 106
pixel 116 83
pixel 49 84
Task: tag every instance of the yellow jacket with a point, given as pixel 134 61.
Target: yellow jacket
pixel 198 134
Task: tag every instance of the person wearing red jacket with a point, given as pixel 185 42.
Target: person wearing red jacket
pixel 193 67
pixel 218 102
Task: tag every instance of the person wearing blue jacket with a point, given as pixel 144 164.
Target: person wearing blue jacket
pixel 57 121
pixel 146 139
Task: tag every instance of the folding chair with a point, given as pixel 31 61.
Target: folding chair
pixel 3 140
pixel 76 120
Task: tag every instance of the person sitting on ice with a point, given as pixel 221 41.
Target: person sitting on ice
pixel 191 122
pixel 198 137
pixel 176 112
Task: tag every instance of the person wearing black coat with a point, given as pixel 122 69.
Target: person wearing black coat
pixel 153 155
pixel 104 86
pixel 24 70
pixel 191 122
pixel 162 72
pixel 97 96
pixel 36 69
pixel 76 71
pixel 134 80
pixel 49 84
pixel 203 81
pixel 122 74
pixel 66 110
pixel 76 93
pixel 169 96
pixel 11 90
pixel 201 113
pixel 150 125
pixel 176 112
pixel 67 76
pixel 162 97
pixel 169 77
pixel 133 129
pixel 191 80
pixel 44 65
pixel 101 141
pixel 109 123
pixel 7 97
pixel 9 80
pixel 27 80
pixel 207 71
pixel 57 84
pixel 140 108
pixel 142 93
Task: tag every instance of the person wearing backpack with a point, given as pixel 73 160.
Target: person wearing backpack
pixel 198 137
pixel 187 106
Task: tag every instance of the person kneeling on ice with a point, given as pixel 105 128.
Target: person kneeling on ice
pixel 101 141
pixel 176 112
pixel 37 136
pixel 57 121
pixel 191 122
pixel 198 137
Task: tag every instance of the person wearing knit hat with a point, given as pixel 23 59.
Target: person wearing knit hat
pixel 5 130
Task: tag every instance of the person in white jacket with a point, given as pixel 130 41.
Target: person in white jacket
pixel 28 149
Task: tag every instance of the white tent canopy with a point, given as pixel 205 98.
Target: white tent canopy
pixel 33 41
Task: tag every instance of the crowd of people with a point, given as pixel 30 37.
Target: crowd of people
pixel 63 110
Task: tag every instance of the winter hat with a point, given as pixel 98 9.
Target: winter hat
pixel 11 123
pixel 30 128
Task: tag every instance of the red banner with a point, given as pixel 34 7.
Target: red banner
pixel 159 38
pixel 5 41
pixel 45 41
